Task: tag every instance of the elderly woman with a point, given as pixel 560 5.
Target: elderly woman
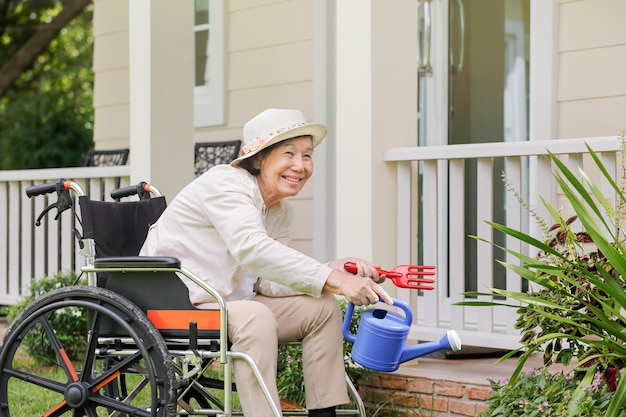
pixel 230 227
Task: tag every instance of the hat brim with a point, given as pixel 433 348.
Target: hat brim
pixel 317 131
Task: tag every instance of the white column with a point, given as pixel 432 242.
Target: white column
pixel 161 93
pixel 376 96
pixel 324 87
pixel 353 141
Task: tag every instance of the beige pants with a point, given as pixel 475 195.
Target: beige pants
pixel 257 326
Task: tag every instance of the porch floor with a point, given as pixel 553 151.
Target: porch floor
pixel 473 371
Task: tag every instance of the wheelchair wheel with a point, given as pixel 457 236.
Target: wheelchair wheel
pixel 81 370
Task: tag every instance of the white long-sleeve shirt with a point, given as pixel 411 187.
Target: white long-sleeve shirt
pixel 221 230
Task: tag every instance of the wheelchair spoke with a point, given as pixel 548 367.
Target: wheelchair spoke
pixel 34 379
pixel 120 406
pixel 58 410
pixel 92 341
pixel 58 348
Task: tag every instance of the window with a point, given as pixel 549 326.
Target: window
pixel 209 58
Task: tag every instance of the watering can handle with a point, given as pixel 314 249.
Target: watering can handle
pixel 408 317
pixel 345 329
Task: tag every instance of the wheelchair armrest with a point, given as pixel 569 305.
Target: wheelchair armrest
pixel 137 262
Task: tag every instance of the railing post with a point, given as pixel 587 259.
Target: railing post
pixel 28 252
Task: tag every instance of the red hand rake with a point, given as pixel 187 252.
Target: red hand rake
pixel 404 276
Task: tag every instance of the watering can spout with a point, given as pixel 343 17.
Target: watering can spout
pixel 450 341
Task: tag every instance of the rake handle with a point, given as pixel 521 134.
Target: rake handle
pixel 352 268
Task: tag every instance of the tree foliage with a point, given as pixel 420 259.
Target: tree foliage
pixel 47 112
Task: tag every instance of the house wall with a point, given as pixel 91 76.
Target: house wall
pixel 270 48
pixel 591 60
pixel 111 69
pixel 268 63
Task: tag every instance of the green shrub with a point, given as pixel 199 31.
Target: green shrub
pixel 542 393
pixel 70 324
pixel 290 379
pixel 576 308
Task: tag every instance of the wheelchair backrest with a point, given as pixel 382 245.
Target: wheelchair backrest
pixel 119 228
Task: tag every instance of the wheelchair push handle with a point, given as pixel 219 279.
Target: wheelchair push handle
pixel 60 186
pixel 48 188
pixel 142 189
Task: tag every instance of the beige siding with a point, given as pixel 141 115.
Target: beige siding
pixel 113 126
pixel 592 73
pixel 111 52
pixel 244 103
pixel 269 63
pixel 111 89
pixel 590 24
pixel 592 55
pixel 269 57
pixel 593 117
pixel 280 64
pixel 110 16
pixel 269 23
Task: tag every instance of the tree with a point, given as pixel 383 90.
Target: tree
pixel 46 83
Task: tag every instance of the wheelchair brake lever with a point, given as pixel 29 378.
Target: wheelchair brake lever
pixel 63 203
pixel 43 213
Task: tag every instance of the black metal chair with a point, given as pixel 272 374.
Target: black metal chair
pixel 209 154
pixel 106 158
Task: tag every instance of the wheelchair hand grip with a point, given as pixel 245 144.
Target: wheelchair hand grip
pixel 128 191
pixel 124 192
pixel 48 188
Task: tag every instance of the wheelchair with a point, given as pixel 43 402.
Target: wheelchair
pixel 129 343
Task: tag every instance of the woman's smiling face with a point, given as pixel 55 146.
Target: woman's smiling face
pixel 285 169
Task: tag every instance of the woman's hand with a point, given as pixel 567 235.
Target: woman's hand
pixel 364 268
pixel 361 292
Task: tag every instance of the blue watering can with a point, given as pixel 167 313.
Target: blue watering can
pixel 380 340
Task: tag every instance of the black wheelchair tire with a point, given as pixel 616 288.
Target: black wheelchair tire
pixel 85 383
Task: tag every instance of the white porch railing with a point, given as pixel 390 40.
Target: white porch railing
pixel 444 209
pixel 28 252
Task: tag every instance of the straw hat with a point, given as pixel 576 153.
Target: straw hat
pixel 275 125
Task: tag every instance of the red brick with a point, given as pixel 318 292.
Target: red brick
pixel 463 408
pixel 375 396
pixel 421 385
pixel 392 382
pixel 392 410
pixel 449 389
pixel 430 402
pixel 373 381
pixel 480 407
pixel 417 397
pixel 479 393
pixel 405 400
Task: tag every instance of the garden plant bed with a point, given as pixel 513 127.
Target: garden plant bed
pixel 439 387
